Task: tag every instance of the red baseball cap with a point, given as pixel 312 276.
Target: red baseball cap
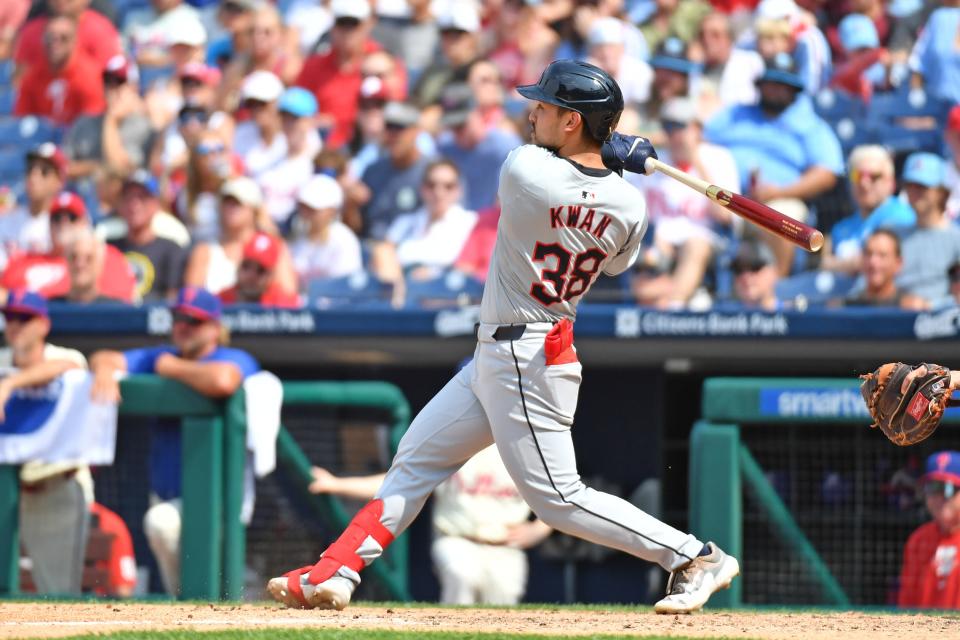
pixel 201 72
pixel 52 154
pixel 121 68
pixel 953 120
pixel 69 202
pixel 263 249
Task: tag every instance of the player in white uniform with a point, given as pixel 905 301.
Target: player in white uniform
pixel 566 216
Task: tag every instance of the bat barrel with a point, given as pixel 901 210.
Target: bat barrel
pixel 777 223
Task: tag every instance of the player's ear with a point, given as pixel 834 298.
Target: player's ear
pixel 572 119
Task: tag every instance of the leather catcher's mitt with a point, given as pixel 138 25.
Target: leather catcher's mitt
pixel 913 415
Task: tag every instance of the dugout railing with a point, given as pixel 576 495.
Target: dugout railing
pixel 214 454
pixel 786 474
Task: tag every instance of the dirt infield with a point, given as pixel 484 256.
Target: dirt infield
pixel 50 620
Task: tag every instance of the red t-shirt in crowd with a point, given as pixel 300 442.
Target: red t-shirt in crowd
pixel 62 96
pixel 48 275
pixel 96 37
pixel 274 296
pixel 121 566
pixel 930 577
pixel 337 90
pixel 729 6
pixel 474 258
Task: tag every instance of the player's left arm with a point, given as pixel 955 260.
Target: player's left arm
pixel 212 379
pixel 630 250
pixel 621 152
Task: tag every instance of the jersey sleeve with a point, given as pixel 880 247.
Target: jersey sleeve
pixel 628 252
pixel 144 360
pixel 243 360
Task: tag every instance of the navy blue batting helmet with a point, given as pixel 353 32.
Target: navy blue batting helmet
pixel 580 87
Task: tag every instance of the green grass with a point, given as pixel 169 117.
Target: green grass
pixel 347 634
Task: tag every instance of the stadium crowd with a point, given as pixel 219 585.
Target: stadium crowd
pixel 295 152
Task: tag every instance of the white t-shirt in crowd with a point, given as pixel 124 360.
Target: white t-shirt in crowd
pixel 281 182
pixel 147 30
pixel 258 156
pixel 21 232
pixel 437 244
pixel 337 257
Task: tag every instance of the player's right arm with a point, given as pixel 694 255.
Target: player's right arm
pixel 105 365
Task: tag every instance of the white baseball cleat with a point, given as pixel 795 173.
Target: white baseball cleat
pixel 334 593
pixel 689 588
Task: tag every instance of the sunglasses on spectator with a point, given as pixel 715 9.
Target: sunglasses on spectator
pixel 747 266
pixel 185 318
pixel 254 105
pixel 452 33
pixel 58 37
pixel 669 126
pixel 939 488
pixel 17 317
pixel 395 126
pixel 110 80
pixel 188 84
pixel 45 169
pixel 436 184
pixel 872 176
pixel 252 265
pixel 57 217
pixel 193 115
pixel 206 148
pixel 346 22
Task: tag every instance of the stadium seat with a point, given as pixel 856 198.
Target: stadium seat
pixel 834 105
pixel 908 120
pixel 6 72
pixel 13 164
pixel 451 289
pixel 359 289
pixel 815 287
pixel 8 97
pixel 24 133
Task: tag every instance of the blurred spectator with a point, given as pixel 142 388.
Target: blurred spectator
pixel 365 145
pixel 268 52
pixel 786 154
pixel 872 184
pixel 674 76
pixel 308 23
pixel 298 113
pixel 575 23
pixel 426 242
pixel 388 70
pixel 474 258
pixel 412 37
pixel 883 26
pixel 46 273
pixel 607 51
pixel 260 141
pixel 334 77
pixel 394 180
pixel 952 172
pixel 195 87
pixel 729 73
pixel 329 249
pixel 54 497
pixel 153 31
pixel 85 254
pixel 459 25
pixel 954 274
pixel 687 227
pixel 355 193
pixel 236 19
pixel 209 166
pixel 157 262
pixel 64 82
pixel 934 60
pixel 213 265
pixel 484 79
pixel 783 27
pixel 866 63
pixel 933 245
pixel 114 227
pixel 120 566
pixel 171 153
pixel 12 15
pixel 256 281
pixel 674 18
pixel 930 576
pixel 121 136
pixel 755 276
pixel 196 359
pixel 478 151
pixel 523 42
pixel 882 263
pixel 26 229
pixel 95 34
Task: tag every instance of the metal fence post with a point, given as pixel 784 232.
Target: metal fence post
pixel 234 462
pixel 9 530
pixel 202 493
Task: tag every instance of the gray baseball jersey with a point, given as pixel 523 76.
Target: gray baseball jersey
pixel 560 226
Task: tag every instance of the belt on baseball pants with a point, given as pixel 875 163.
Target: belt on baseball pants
pixel 504 331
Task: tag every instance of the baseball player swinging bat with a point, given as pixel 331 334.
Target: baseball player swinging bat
pixel 756 212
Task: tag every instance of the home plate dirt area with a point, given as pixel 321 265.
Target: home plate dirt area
pixel 61 619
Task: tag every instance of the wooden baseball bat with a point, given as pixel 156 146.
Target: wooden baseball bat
pixel 758 213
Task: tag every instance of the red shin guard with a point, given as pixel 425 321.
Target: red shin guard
pixel 343 552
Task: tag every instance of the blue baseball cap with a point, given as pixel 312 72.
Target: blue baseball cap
pixel 145 179
pixel 199 303
pixel 672 55
pixel 924 168
pixel 943 466
pixel 28 302
pixel 298 101
pixel 857 31
pixel 782 69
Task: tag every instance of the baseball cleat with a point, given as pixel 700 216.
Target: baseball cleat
pixel 334 593
pixel 689 588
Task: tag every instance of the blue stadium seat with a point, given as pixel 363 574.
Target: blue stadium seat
pixel 8 97
pixel 450 289
pixel 23 133
pixel 359 289
pixel 908 120
pixel 834 105
pixel 13 164
pixel 6 72
pixel 816 287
